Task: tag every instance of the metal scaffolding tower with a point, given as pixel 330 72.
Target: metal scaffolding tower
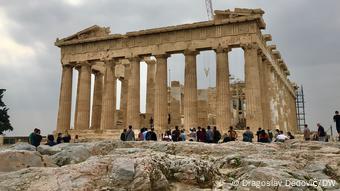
pixel 300 108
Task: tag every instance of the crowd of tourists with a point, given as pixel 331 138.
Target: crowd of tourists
pixel 206 135
pixel 213 135
pixel 35 138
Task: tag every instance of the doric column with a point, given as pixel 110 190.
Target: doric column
pixel 109 96
pixel 133 101
pixel 264 90
pixel 150 86
pixel 190 90
pixel 267 70
pixel 161 94
pixel 294 113
pixel 124 94
pixel 83 97
pixel 223 113
pixel 254 115
pixel 97 100
pixel 65 99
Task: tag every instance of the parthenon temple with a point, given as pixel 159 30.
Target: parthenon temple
pixel 265 99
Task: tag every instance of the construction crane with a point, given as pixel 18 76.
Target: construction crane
pixel 210 12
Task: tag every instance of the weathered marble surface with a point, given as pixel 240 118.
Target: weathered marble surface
pixel 113 165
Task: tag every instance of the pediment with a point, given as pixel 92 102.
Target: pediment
pixel 88 33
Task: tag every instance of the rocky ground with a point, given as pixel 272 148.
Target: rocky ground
pixel 114 165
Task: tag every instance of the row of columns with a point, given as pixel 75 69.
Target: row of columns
pixel 259 92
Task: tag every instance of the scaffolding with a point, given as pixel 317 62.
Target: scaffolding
pixel 300 108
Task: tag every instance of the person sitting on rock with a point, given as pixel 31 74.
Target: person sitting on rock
pixel 175 134
pixel 248 135
pixel 270 134
pixel 151 135
pixel 290 135
pixel 50 141
pixel 67 138
pixel 123 135
pixel 145 131
pixel 263 137
pixel 321 133
pixel 193 134
pixel 258 134
pixel 216 135
pixel 35 138
pixel 281 137
pixel 59 138
pixel 167 135
pixel 203 136
pixel 140 135
pixel 130 135
pixel 232 134
pixel 199 134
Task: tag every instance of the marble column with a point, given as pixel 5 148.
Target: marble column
pixel 264 90
pixel 161 94
pixel 133 101
pixel 254 115
pixel 294 113
pixel 150 87
pixel 223 98
pixel 267 70
pixel 83 97
pixel 124 94
pixel 97 100
pixel 65 100
pixel 109 96
pixel 190 90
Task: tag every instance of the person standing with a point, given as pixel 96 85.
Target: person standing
pixel 336 119
pixel 321 133
pixel 306 133
pixel 210 135
pixel 130 135
pixel 183 136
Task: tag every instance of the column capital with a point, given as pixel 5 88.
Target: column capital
pixel 67 65
pixel 149 61
pixel 134 59
pixel 111 62
pixel 162 56
pixel 221 49
pixel 190 52
pixel 248 46
pixel 80 64
pixel 97 72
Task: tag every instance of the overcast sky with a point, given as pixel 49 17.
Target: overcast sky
pixel 307 32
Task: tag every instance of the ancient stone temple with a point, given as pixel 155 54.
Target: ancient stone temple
pixel 268 96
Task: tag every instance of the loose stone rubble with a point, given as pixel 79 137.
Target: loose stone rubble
pixel 114 165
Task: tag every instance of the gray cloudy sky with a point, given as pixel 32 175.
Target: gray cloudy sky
pixel 307 32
